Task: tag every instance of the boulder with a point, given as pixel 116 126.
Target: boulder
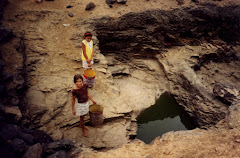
pixel 19 145
pixel 90 6
pixel 58 154
pixel 8 131
pixel 57 134
pixel 226 93
pixel 28 138
pixel 34 151
pixel 53 147
pixel 70 14
pixel 69 6
pixel 14 111
pixel 122 1
pixel 233 116
pixel 41 136
pixel 110 2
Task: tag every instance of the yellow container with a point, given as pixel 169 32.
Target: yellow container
pixel 90 73
pixel 96 114
pixel 89 77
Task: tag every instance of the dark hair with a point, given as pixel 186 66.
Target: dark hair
pixel 76 77
pixel 87 34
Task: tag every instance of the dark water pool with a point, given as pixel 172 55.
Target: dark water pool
pixel 164 116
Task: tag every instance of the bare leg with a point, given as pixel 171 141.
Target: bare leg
pixel 82 126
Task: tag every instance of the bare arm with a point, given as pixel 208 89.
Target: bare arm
pixel 84 51
pixel 89 96
pixel 92 54
pixel 73 104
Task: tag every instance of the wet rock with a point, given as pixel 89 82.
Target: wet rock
pixel 71 14
pixel 53 147
pixel 14 112
pixel 122 1
pixel 34 151
pixel 58 154
pixel 227 94
pixel 69 6
pixel 90 6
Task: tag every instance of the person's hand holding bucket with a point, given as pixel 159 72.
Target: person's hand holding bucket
pixel 89 63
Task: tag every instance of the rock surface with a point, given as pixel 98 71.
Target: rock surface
pixel 139 56
pixel 90 6
pixel 34 151
pixel 14 111
pixel 207 143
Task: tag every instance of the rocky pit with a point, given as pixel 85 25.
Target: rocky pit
pixel 190 50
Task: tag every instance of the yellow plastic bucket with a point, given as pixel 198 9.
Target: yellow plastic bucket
pixel 89 77
pixel 96 114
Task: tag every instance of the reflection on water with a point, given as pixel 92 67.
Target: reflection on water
pixel 164 116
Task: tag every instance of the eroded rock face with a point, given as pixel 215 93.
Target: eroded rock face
pixel 148 33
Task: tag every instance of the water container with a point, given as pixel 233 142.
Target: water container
pixel 96 114
pixel 89 77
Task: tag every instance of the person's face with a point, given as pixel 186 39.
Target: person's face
pixel 88 38
pixel 79 83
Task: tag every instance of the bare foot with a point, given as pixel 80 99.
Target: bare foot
pixel 84 133
pixel 85 128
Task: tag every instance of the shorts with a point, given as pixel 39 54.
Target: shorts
pixel 82 108
pixel 85 64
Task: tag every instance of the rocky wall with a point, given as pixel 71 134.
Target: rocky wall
pixel 150 32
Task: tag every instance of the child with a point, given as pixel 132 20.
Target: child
pixel 87 50
pixel 82 107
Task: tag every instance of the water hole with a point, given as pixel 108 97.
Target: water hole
pixel 164 116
